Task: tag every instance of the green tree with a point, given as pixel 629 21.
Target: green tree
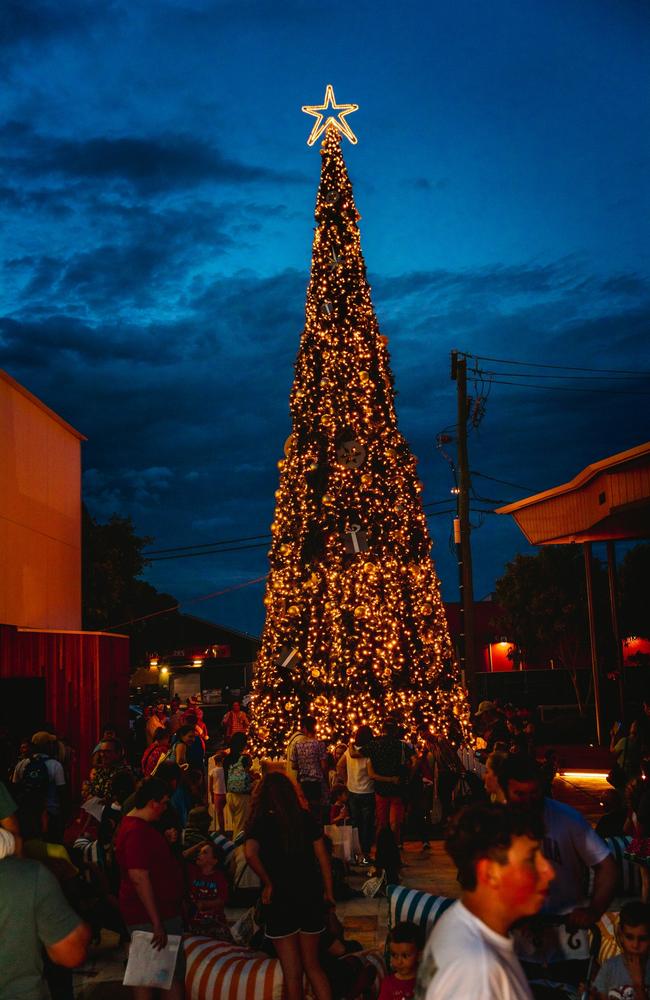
pixel 544 607
pixel 113 592
pixel 355 626
pixel 634 591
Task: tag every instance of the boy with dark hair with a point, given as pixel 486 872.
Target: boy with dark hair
pixel 628 974
pixel 504 877
pixel 405 948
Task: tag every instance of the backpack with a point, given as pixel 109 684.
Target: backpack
pixel 152 756
pixel 36 777
pixel 239 780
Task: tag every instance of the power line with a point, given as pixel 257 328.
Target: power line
pixel 211 552
pixel 205 545
pixel 576 388
pixel 587 378
pixel 191 600
pixel 571 368
pixel 505 482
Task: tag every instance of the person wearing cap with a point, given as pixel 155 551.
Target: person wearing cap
pixel 490 724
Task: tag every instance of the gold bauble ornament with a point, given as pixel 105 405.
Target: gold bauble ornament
pixel 328 500
pixel 289 445
pixel 427 609
pixel 285 549
pixel 366 479
pixel 364 377
pixel 315 672
pixel 293 611
pixel 288 705
pixel 361 611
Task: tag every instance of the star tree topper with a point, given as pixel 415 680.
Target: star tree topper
pixel 323 121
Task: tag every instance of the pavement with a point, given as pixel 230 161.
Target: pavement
pixel 365 920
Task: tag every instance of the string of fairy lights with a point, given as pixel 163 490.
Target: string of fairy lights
pixel 355 627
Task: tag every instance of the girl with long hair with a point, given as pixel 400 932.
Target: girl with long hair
pixel 285 848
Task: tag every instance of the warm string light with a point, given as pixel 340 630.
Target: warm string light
pixel 355 626
pixel 325 121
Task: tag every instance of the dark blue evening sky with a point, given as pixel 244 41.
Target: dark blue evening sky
pixel 157 202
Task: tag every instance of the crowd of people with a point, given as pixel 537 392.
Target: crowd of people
pixel 148 848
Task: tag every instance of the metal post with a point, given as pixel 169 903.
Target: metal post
pixel 461 604
pixel 459 372
pixel 616 631
pixel 589 579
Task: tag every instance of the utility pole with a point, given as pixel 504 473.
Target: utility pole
pixel 462 529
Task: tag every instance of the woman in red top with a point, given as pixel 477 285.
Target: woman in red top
pixel 151 887
pixel 159 748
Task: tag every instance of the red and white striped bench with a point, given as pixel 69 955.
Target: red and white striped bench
pixel 217 970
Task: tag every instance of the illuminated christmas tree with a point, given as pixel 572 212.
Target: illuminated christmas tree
pixel 355 627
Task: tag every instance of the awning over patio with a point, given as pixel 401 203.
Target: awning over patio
pixel 609 500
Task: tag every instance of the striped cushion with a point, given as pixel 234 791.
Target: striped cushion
pixel 225 845
pixel 217 970
pixel 630 876
pixel 91 851
pixel 420 908
pixel 608 943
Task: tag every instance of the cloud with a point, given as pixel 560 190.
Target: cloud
pixel 426 184
pixel 29 21
pixel 186 418
pixel 150 166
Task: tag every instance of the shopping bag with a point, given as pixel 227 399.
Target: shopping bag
pixel 149 966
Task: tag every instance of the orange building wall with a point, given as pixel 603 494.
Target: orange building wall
pixel 40 513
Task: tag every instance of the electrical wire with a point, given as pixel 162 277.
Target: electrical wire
pixel 576 388
pixel 205 545
pixel 191 600
pixel 211 552
pixel 505 482
pixel 589 378
pixel 538 364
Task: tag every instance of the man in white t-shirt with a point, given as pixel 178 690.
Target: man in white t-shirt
pixel 504 877
pixel 570 844
pixel 573 847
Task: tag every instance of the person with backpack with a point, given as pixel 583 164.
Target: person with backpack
pixel 239 782
pixel 43 778
pixel 155 752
